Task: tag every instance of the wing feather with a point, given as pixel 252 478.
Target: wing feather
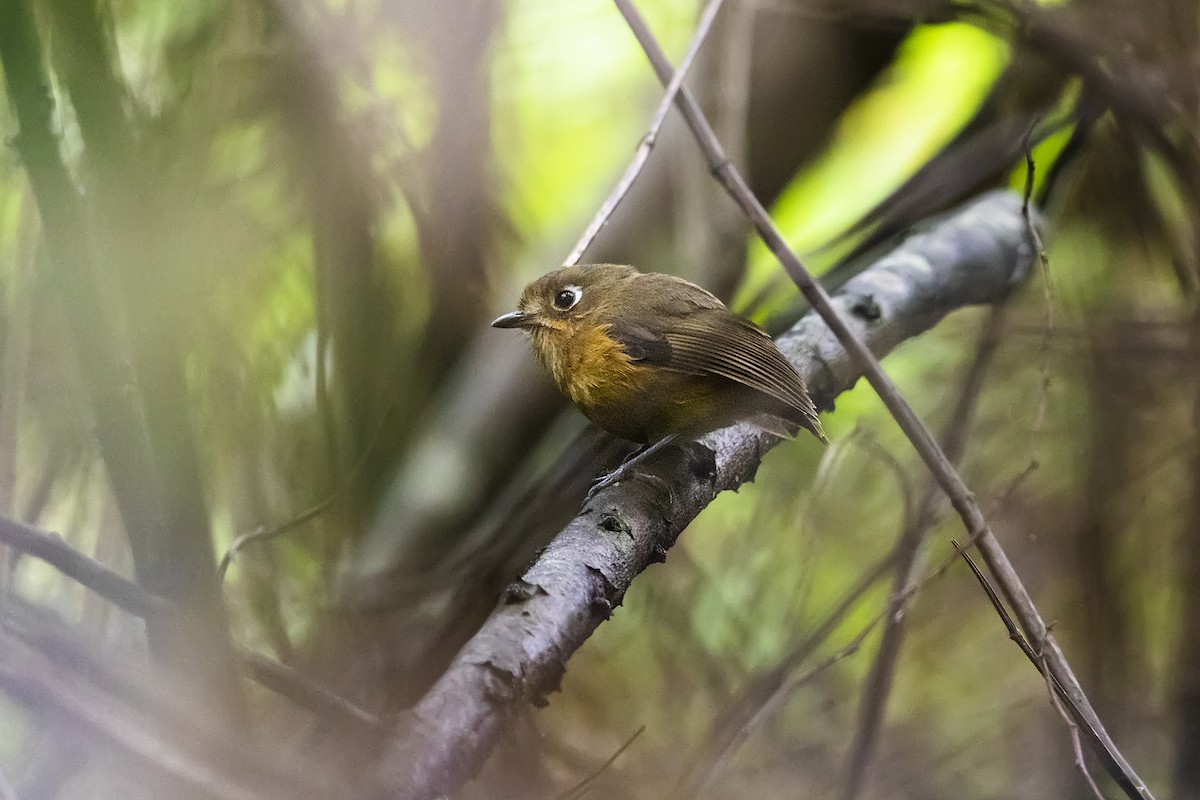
pixel 723 344
pixel 696 334
pixel 718 343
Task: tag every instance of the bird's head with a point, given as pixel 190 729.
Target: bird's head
pixel 559 301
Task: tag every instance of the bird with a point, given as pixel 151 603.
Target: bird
pixel 653 358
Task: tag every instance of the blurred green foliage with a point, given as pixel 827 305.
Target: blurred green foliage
pixel 324 203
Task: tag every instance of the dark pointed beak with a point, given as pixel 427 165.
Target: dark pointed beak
pixel 515 319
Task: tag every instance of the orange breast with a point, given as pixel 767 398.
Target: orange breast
pixel 593 369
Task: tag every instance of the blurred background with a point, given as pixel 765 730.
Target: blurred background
pixel 249 251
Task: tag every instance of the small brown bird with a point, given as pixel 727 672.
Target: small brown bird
pixel 650 357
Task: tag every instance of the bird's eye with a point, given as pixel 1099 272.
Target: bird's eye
pixel 568 297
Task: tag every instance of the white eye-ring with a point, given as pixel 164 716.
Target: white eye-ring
pixel 567 297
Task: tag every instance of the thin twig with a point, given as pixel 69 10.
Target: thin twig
pixel 1060 700
pixel 753 705
pixel 850 648
pixel 137 600
pixel 649 140
pixel 1043 400
pixel 263 534
pixel 302 690
pixel 577 789
pixel 1073 728
pixel 109 584
pixel 1014 484
pixel 951 482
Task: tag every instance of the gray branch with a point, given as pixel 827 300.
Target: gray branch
pixel 105 582
pixel 974 256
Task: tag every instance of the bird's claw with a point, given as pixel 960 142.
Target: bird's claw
pixel 603 482
pixel 618 475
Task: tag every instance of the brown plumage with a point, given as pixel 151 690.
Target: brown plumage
pixel 650 357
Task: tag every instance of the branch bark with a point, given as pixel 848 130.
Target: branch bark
pixel 975 256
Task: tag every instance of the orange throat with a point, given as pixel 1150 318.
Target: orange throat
pixel 587 364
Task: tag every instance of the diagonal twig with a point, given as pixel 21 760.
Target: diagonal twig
pixel 577 789
pixel 137 600
pixel 293 684
pixel 264 534
pixel 931 453
pixel 1061 701
pixel 109 584
pixel 1047 338
pixel 1073 728
pixel 649 140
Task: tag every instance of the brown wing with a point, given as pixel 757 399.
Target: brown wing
pixel 719 343
pixel 692 332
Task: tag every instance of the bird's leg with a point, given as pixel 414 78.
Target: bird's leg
pixel 620 472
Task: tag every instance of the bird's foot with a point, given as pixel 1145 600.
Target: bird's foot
pixel 619 474
pixel 623 471
pixel 605 481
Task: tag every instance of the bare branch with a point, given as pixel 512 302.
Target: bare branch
pixel 301 689
pixel 135 599
pixel 578 788
pixel 1076 741
pixel 947 476
pixel 975 256
pixel 649 140
pixel 1061 701
pixel 1039 418
pixel 263 533
pixel 110 585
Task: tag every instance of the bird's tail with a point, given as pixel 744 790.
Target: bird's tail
pixel 787 428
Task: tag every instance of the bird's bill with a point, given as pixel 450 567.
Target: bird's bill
pixel 515 319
